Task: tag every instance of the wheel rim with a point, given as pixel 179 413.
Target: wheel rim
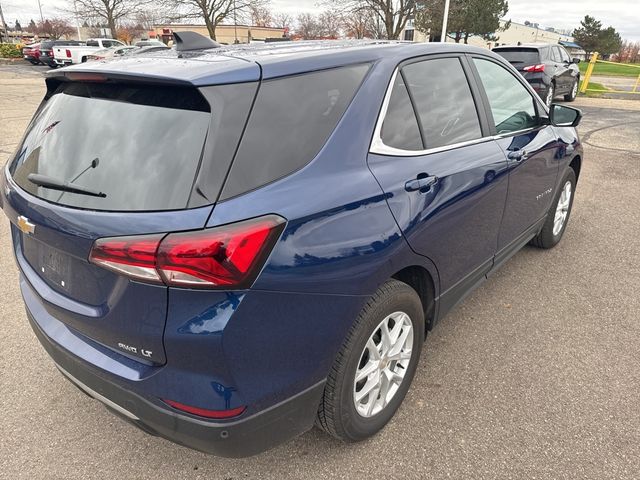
pixel 574 90
pixel 550 96
pixel 562 210
pixel 383 364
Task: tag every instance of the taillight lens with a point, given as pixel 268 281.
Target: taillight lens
pixel 68 52
pixel 535 68
pixel 132 256
pixel 229 256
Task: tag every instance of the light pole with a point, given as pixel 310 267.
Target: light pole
pixel 4 26
pixel 75 8
pixel 445 19
pixel 41 16
pixel 235 22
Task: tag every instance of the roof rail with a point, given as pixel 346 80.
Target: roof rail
pixel 186 41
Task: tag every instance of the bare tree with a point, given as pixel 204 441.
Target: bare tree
pixel 308 27
pixel 109 12
pixel 213 12
pixel 394 14
pixel 362 23
pixel 330 24
pixel 260 15
pixel 282 20
pixel 55 28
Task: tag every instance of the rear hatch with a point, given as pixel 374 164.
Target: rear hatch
pixel 520 57
pixel 133 152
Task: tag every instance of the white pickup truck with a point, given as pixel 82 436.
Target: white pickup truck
pixel 70 54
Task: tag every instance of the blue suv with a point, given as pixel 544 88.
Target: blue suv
pixel 226 245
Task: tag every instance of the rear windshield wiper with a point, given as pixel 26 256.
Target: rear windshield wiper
pixel 62 186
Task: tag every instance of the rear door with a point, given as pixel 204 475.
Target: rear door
pixel 529 143
pixel 444 176
pixel 139 148
pixel 566 69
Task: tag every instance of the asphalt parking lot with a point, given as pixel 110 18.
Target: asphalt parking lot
pixel 535 375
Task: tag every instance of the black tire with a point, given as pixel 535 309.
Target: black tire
pixel 546 238
pixel 571 96
pixel 551 93
pixel 337 413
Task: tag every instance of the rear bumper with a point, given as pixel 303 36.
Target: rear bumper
pixel 235 438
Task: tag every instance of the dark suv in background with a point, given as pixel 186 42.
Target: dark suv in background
pixel 548 68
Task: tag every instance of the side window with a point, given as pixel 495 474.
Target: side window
pixel 443 102
pixel 556 54
pixel 544 54
pixel 400 126
pixel 512 106
pixel 564 55
pixel 92 43
pixel 291 120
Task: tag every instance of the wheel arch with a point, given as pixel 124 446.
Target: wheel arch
pixel 419 278
pixel 576 165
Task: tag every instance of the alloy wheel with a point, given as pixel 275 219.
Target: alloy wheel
pixel 383 364
pixel 562 210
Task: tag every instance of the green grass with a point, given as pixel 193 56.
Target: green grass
pixel 595 86
pixel 618 70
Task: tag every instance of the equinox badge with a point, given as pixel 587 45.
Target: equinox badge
pixel 25 225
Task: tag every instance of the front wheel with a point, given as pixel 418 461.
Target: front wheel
pixel 571 96
pixel 375 366
pixel 558 215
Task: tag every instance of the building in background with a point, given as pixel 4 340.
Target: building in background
pixel 225 34
pixel 516 33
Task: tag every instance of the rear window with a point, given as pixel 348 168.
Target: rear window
pixel 519 56
pixel 139 145
pixel 290 122
pixel 400 127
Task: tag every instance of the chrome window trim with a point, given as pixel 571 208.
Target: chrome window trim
pixel 378 147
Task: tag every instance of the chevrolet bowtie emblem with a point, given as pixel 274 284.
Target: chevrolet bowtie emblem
pixel 25 225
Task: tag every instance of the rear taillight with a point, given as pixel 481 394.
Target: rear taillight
pixel 68 52
pixel 534 68
pixel 229 256
pixel 132 256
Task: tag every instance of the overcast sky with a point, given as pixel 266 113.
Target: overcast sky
pixel 623 15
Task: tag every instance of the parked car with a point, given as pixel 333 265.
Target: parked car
pixel 46 50
pixel 148 49
pixel 31 53
pixel 108 53
pixel 68 55
pixel 548 68
pixel 150 43
pixel 245 241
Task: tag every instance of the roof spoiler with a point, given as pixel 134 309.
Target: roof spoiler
pixel 186 41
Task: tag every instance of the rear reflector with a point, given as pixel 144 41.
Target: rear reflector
pixel 229 256
pixel 202 412
pixel 534 68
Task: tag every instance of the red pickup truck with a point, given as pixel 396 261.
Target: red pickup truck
pixel 31 53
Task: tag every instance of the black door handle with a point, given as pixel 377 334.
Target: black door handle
pixel 422 183
pixel 517 155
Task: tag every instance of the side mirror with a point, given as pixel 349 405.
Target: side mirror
pixel 575 60
pixel 562 116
